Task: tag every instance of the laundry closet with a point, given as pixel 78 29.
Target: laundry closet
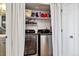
pixel 38 30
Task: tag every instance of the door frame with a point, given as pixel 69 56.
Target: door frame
pixel 56 19
pixel 56 30
pixel 56 15
pixel 8 30
pixel 15 29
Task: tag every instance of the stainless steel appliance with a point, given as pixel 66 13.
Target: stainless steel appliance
pixel 30 43
pixel 45 42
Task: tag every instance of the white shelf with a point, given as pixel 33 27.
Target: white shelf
pixel 37 18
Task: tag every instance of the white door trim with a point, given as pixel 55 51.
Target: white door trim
pixel 56 28
pixel 21 28
pixel 15 29
pixel 18 25
pixel 8 30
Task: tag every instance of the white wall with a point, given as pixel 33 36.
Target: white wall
pixel 41 24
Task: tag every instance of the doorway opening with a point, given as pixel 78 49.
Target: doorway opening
pixel 38 30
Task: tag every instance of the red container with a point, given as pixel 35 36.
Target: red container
pixel 44 15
